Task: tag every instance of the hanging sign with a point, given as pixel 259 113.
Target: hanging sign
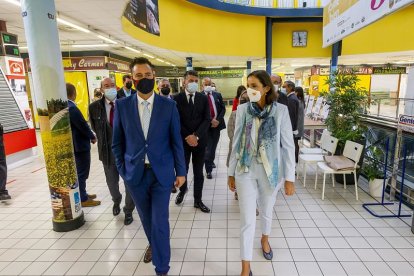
pixel 406 123
pixel 389 70
pixel 344 17
pixel 144 15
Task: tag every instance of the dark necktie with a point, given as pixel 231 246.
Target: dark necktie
pixel 111 114
pixel 210 103
pixel 190 102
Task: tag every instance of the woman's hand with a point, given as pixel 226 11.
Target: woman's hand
pixel 232 183
pixel 289 188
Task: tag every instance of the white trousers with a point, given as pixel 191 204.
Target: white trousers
pixel 253 187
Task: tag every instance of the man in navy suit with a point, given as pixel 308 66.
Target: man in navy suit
pixel 82 136
pixel 149 155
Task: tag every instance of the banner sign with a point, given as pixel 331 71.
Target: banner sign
pixel 78 63
pixel 118 65
pixel 406 123
pixel 236 73
pixel 344 17
pixel 359 70
pixel 390 70
pixel 144 15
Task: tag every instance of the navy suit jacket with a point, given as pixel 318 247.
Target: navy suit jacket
pixel 163 146
pixel 81 132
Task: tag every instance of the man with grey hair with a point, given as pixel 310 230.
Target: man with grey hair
pixel 164 87
pixel 277 83
pixel 101 114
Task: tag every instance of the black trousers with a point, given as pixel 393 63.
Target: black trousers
pixel 112 180
pixel 296 148
pixel 213 139
pixel 196 154
pixel 3 165
pixel 83 165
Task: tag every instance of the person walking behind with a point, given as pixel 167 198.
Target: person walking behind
pixel 4 194
pixel 301 119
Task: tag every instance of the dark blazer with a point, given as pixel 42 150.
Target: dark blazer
pixel 196 122
pixel 121 93
pixel 221 109
pixel 81 132
pixel 282 98
pixel 163 146
pixel 293 106
pixel 100 125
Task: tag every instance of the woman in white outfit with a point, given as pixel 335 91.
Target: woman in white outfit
pixel 262 159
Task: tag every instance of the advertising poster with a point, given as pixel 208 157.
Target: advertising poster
pixel 344 17
pixel 144 15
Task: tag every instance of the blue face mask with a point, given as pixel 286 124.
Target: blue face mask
pixel 110 94
pixel 192 87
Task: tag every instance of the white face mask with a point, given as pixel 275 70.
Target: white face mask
pixel 192 87
pixel 276 87
pixel 110 94
pixel 213 88
pixel 254 95
pixel 283 90
pixel 208 88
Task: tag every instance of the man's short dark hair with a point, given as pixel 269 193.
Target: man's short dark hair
pixel 291 85
pixel 140 60
pixel 191 73
pixel 124 77
pixel 70 90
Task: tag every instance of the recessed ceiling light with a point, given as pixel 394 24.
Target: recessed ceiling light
pixel 67 23
pixel 107 39
pixel 160 60
pixel 89 45
pixel 148 56
pixel 132 49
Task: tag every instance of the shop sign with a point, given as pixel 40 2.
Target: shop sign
pixel 390 70
pixel 14 66
pixel 118 65
pixel 172 72
pixel 84 63
pixel 344 17
pixel 217 74
pixel 359 70
pixel 406 123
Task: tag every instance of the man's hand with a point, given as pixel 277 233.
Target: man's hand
pixel 289 188
pixel 214 123
pixel 191 140
pixel 179 181
pixel 232 183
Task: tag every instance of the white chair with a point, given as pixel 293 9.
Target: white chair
pixel 325 135
pixel 329 145
pixel 352 151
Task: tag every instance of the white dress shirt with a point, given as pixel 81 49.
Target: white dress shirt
pixel 127 93
pixel 141 111
pixel 188 96
pixel 108 109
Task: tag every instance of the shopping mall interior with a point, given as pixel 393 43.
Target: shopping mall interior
pixel 345 68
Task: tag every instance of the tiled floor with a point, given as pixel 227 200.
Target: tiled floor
pixel 310 236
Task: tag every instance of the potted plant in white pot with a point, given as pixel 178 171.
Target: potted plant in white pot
pixel 373 169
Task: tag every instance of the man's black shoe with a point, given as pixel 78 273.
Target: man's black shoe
pixel 128 219
pixel 116 209
pixel 213 166
pixel 5 196
pixel 209 176
pixel 200 205
pixel 180 197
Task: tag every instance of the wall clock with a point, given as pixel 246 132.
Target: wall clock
pixel 299 38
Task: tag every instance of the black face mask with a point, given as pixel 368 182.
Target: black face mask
pixel 145 86
pixel 165 91
pixel 128 85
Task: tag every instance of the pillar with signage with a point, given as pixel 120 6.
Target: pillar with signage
pixel 39 18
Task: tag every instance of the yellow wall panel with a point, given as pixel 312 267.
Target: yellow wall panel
pixel 79 80
pixel 282 41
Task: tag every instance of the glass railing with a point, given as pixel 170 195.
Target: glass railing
pixel 390 107
pixel 288 4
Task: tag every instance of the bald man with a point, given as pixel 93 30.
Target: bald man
pixel 101 114
pixel 277 82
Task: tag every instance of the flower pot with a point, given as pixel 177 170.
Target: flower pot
pixel 375 187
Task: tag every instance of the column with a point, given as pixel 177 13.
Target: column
pixel 39 19
pixel 269 34
pixel 248 67
pixel 189 62
pixel 336 52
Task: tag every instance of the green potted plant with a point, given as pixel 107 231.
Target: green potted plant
pixel 373 169
pixel 346 100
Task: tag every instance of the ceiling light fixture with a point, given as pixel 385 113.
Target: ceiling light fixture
pixel 160 60
pixel 148 56
pixel 89 45
pixel 67 23
pixel 16 3
pixel 173 65
pixel 23 47
pixel 213 67
pixel 107 39
pixel 132 49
